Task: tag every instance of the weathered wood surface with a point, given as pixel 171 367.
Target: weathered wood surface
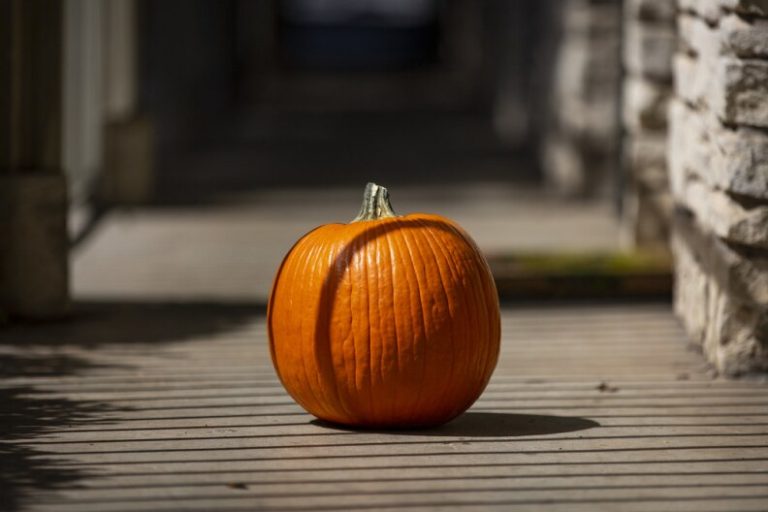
pixel 140 406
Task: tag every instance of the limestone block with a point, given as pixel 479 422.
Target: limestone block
pixel 749 7
pixel 735 89
pixel 586 87
pixel 564 166
pixel 645 154
pixel 739 162
pixel 736 340
pixel 647 216
pixel 590 18
pixel 33 261
pixel 740 272
pixel 575 169
pixel 589 69
pixel 733 333
pixel 648 50
pixel 724 216
pixel 128 162
pixel 651 10
pixel 735 36
pixel 692 79
pixel 707 9
pixel 688 150
pixel 713 10
pixel 740 92
pixel 734 160
pixel 690 290
pixel 593 122
pixel 645 104
pixel 698 38
pixel 744 37
pixel 587 75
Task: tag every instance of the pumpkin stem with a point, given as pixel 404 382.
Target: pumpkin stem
pixel 376 204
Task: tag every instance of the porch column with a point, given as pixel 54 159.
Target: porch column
pixel 33 192
pixel 128 149
pixel 579 148
pixel 649 46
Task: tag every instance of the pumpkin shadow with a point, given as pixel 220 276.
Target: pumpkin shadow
pixel 485 424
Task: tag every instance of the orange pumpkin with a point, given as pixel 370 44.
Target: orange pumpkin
pixel 388 321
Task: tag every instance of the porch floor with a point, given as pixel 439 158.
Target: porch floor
pixel 158 394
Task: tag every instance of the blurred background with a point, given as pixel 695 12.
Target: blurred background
pixel 159 158
pixel 254 94
pixel 278 113
pixel 187 144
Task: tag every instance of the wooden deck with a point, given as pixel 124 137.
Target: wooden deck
pixel 159 394
pixel 176 407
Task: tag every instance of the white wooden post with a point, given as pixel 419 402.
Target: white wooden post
pixel 128 149
pixel 33 193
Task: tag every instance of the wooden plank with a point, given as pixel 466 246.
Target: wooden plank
pixel 571 421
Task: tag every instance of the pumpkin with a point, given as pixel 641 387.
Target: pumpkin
pixel 388 321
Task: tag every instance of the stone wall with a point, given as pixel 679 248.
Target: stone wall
pixel 718 164
pixel 649 46
pixel 579 148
